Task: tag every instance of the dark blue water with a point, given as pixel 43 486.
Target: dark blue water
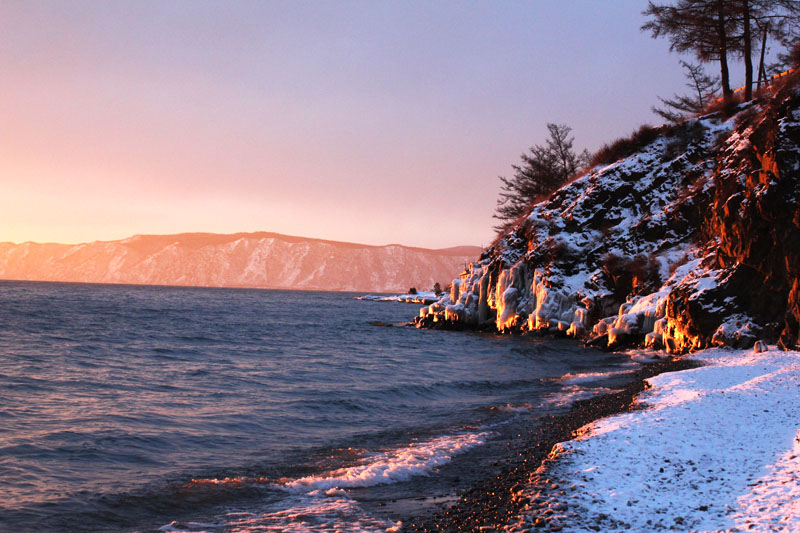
pixel 187 409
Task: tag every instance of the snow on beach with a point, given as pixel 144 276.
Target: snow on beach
pixel 718 448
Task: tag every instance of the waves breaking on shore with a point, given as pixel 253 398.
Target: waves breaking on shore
pixel 322 503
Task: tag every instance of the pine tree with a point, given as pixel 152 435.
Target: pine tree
pixel 715 30
pixel 703 88
pixel 703 27
pixel 543 170
pixel 775 21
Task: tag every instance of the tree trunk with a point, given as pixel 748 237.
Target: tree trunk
pixel 723 51
pixel 748 60
pixel 761 70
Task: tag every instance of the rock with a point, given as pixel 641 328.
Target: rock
pixel 790 336
pixel 576 330
pixel 760 346
pixel 653 340
pixel 720 221
pixel 599 341
pixel 618 339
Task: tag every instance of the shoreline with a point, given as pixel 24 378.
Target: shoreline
pixel 495 501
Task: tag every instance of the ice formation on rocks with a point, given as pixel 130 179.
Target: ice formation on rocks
pixel 692 241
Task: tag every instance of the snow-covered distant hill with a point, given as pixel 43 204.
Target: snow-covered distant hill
pixel 269 260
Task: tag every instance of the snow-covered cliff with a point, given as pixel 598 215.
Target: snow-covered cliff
pixel 240 260
pixel 692 241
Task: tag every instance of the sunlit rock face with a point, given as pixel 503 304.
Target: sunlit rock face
pixel 692 241
pixel 267 260
pixel 756 213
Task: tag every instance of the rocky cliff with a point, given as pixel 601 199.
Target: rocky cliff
pixel 692 240
pixel 266 260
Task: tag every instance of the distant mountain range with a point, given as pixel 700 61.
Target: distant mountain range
pixel 268 260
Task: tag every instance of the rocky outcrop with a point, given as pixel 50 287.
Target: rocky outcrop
pixel 268 260
pixel 756 213
pixel 692 241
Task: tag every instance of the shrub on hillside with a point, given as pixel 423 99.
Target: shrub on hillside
pixel 726 108
pixel 794 55
pixel 622 148
pixel 645 271
pixel 637 275
pixel 681 137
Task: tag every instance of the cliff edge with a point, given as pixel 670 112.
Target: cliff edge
pixel 691 241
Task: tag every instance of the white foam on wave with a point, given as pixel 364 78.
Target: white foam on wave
pixel 418 458
pixel 312 512
pixel 190 527
pixel 321 503
pixel 570 394
pixel 513 408
pixel 589 377
pixel 644 355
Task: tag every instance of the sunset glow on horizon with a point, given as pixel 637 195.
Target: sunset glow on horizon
pixel 365 122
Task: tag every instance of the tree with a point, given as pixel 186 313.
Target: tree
pixel 762 19
pixel 704 27
pixel 703 87
pixel 541 172
pixel 437 289
pixel 715 29
pixel 778 20
pixel 746 11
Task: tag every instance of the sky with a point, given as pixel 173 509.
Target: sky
pixel 366 121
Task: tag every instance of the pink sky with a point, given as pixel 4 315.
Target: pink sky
pixel 356 121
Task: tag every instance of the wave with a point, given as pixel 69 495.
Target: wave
pixel 418 458
pixel 233 481
pixel 513 408
pixel 589 377
pixel 314 512
pixel 571 394
pixel 320 502
pixel 438 389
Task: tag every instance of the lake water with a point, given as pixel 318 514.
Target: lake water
pixel 128 408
